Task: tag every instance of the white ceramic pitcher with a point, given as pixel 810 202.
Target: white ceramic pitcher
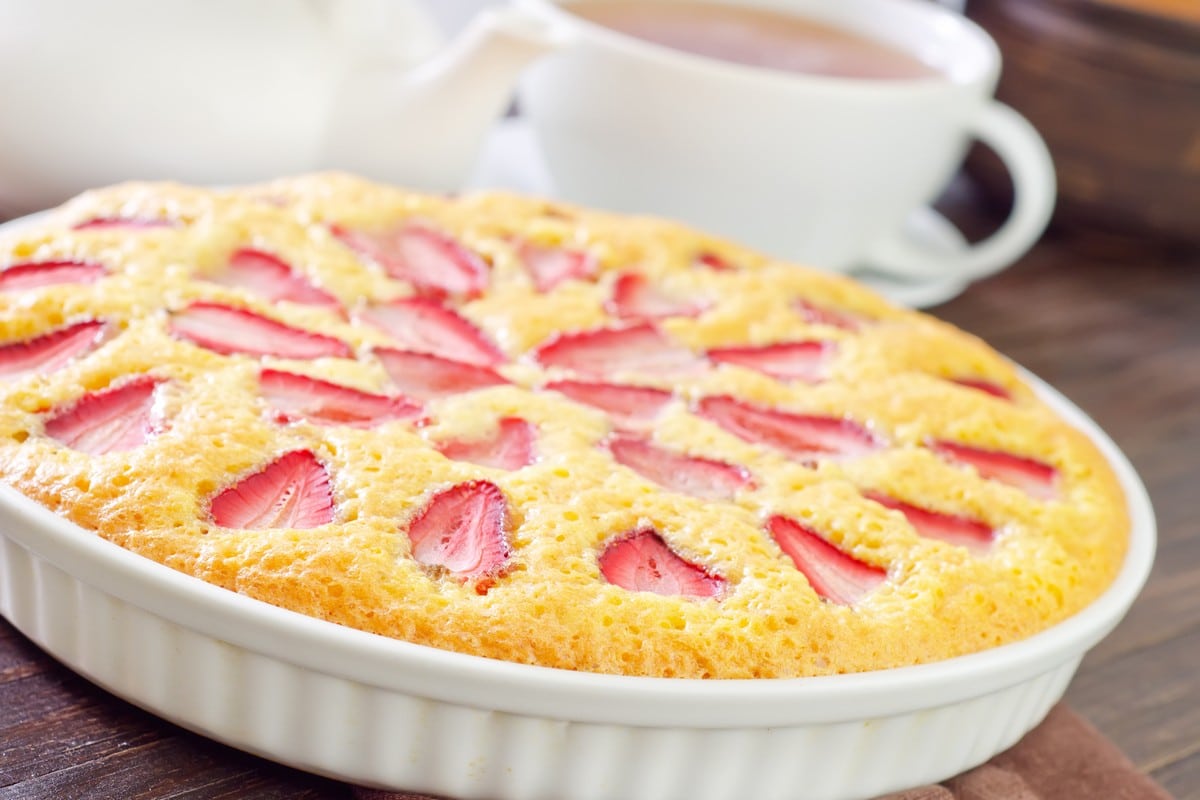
pixel 228 91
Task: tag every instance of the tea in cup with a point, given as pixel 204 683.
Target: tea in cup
pixel 810 130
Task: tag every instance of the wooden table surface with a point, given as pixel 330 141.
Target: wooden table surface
pixel 1115 324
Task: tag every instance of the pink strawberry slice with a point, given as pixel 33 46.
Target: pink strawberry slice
pixel 297 397
pixel 293 491
pixel 805 361
pixel 119 418
pixel 705 478
pixel 464 530
pixel 710 260
pixel 964 531
pixel 267 276
pixel 550 266
pixel 824 315
pixel 642 562
pixel 228 330
pixel 430 260
pixel 426 376
pixel 833 574
pixel 1035 478
pixel 981 385
pixel 602 351
pixel 636 298
pixel 510 446
pixel 427 326
pixel 805 437
pixel 131 223
pixel 629 405
pixel 50 351
pixel 35 274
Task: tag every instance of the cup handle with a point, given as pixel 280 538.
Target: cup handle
pixel 1023 152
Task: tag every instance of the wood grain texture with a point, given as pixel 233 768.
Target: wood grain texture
pixel 1114 88
pixel 1114 324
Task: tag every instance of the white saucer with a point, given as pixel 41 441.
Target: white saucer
pixel 930 229
pixel 511 160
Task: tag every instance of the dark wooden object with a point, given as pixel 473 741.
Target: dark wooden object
pixel 1114 88
pixel 1115 324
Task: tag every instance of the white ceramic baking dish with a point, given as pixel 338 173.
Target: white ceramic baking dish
pixel 386 713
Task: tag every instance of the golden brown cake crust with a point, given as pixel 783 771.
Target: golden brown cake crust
pixel 552 606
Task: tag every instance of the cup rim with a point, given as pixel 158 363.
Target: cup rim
pixel 718 69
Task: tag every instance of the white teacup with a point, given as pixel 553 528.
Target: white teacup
pixel 823 170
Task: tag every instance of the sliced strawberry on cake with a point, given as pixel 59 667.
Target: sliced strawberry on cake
pixel 1036 478
pixel 269 277
pixel 426 376
pixel 36 274
pixel 642 562
pixel 705 478
pixel 293 491
pixel 425 325
pixel 816 314
pixel 50 351
pixel 113 420
pixel 956 529
pixel 714 261
pixel 987 387
pixel 806 361
pixel 550 266
pixel 432 261
pixel 464 530
pixel 510 446
pixel 295 397
pixel 124 223
pixel 836 576
pixel 229 331
pixel 600 352
pixel 631 406
pixel 635 298
pixel 803 437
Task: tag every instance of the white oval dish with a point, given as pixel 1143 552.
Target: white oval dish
pixel 386 713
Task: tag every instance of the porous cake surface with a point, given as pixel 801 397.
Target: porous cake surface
pixel 536 433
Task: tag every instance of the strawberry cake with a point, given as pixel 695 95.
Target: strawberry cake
pixel 530 432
